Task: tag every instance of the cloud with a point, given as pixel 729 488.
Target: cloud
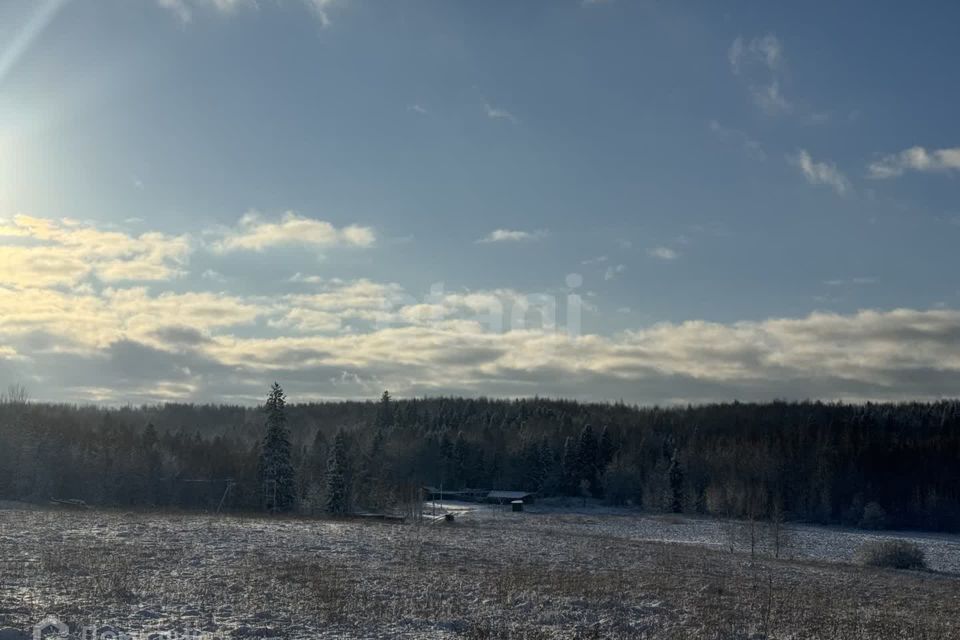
pixel 416 108
pixel 335 338
pixel 184 9
pixel 99 319
pixel 253 233
pixel 179 8
pixel 213 275
pixel 47 252
pixel 915 159
pixel 767 51
pixel 749 145
pixel 613 271
pixel 309 279
pixel 497 113
pixel 321 9
pixel 769 98
pixel 510 235
pixel 842 282
pixel 760 62
pixel 876 355
pixel 351 338
pixel 820 172
pixel 663 253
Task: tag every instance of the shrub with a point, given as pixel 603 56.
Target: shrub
pixel 892 554
pixel 874 517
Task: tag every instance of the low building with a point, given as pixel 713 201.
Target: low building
pixel 478 495
pixel 506 497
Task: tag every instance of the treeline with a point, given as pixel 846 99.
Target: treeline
pixel 874 465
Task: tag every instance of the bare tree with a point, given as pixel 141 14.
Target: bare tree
pixel 16 394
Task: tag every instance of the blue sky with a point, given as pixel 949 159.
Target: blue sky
pixel 756 200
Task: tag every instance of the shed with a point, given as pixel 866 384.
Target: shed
pixel 504 497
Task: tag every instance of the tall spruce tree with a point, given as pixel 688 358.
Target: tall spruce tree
pixel 569 481
pixel 338 476
pixel 275 468
pixel 587 453
pixel 385 416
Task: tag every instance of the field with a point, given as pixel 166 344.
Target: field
pixel 546 573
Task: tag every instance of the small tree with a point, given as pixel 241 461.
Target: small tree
pixel 585 490
pixel 275 468
pixel 874 517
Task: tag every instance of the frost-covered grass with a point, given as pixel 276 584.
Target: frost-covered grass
pixel 545 573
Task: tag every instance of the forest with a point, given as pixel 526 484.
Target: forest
pixel 866 465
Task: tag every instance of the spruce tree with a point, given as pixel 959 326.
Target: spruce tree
pixel 385 411
pixel 569 481
pixel 338 487
pixel 587 458
pixel 676 484
pixel 275 469
pixel 607 449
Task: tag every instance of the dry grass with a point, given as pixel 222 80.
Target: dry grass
pixel 507 579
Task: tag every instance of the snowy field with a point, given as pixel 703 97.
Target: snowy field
pixel 832 544
pixel 546 573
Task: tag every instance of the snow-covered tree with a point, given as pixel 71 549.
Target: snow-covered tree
pixel 276 472
pixel 338 476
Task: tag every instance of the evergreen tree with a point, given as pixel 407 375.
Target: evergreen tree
pixel 385 416
pixel 275 469
pixel 338 476
pixel 460 454
pixel 569 482
pixel 675 474
pixel 587 459
pixel 607 449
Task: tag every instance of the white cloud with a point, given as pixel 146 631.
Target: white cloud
pixel 253 233
pixel 416 108
pixel 511 235
pixel 133 343
pixel 321 9
pixel 767 51
pixel 47 252
pixel 857 281
pixel 213 275
pixel 663 253
pixel 760 62
pixel 748 144
pixel 179 8
pixel 613 271
pixel 310 279
pixel 497 113
pixel 184 9
pixel 770 99
pixel 915 159
pixel 820 172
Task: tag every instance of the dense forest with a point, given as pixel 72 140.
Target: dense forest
pixel 870 465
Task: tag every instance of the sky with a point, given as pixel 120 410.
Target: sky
pixel 648 201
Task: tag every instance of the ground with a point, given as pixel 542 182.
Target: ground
pixel 548 572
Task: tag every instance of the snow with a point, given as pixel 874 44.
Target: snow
pixel 558 569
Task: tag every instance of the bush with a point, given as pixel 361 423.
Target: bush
pixel 874 517
pixel 892 554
